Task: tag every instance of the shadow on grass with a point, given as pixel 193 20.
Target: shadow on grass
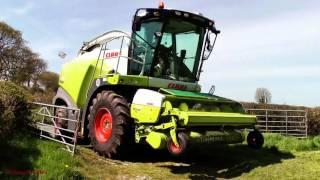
pixel 16 157
pixel 213 161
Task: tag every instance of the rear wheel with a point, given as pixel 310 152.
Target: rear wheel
pixel 109 123
pixel 183 144
pixel 255 139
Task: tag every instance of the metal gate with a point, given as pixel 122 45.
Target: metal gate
pixel 286 122
pixel 46 122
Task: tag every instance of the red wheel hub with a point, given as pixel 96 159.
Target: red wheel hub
pixel 103 125
pixel 175 149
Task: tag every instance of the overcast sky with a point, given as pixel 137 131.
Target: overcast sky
pixel 263 43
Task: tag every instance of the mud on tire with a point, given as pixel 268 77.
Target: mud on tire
pixel 110 125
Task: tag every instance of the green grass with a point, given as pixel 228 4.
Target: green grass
pixel 34 158
pixel 305 165
pixel 281 158
pixel 285 143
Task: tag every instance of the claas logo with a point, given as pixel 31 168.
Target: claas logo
pixel 110 55
pixel 177 86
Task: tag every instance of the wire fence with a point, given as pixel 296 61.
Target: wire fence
pixel 286 122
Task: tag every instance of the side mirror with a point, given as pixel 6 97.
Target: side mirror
pixel 209 47
pixel 210 41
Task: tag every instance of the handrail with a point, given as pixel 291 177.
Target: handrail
pixel 104 48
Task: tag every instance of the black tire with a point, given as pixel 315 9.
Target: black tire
pixel 255 139
pixel 108 142
pixel 183 142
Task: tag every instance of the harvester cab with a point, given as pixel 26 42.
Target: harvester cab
pixel 171 43
pixel 164 44
pixel 143 87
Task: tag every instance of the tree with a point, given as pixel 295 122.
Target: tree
pixel 31 66
pixel 17 61
pixel 263 96
pixel 50 80
pixel 10 42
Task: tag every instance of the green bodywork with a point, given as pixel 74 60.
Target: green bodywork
pixel 76 77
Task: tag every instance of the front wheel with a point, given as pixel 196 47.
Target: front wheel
pixel 255 139
pixel 183 144
pixel 109 123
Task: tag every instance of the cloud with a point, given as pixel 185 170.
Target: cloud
pixel 24 9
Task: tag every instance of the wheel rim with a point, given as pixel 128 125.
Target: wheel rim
pixel 175 149
pixel 103 125
pixel 253 141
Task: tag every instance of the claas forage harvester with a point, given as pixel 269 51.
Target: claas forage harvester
pixel 143 87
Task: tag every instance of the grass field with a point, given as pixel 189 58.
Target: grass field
pixel 281 158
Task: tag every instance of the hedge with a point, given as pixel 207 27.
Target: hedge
pixel 14 108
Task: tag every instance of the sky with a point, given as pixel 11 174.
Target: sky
pixel 263 43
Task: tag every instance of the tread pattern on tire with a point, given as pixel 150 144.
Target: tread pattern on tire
pixel 121 126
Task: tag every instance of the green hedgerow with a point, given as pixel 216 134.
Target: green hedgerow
pixel 14 108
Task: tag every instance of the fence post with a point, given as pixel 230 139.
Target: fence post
pixel 41 129
pixel 306 121
pixel 266 120
pixel 286 122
